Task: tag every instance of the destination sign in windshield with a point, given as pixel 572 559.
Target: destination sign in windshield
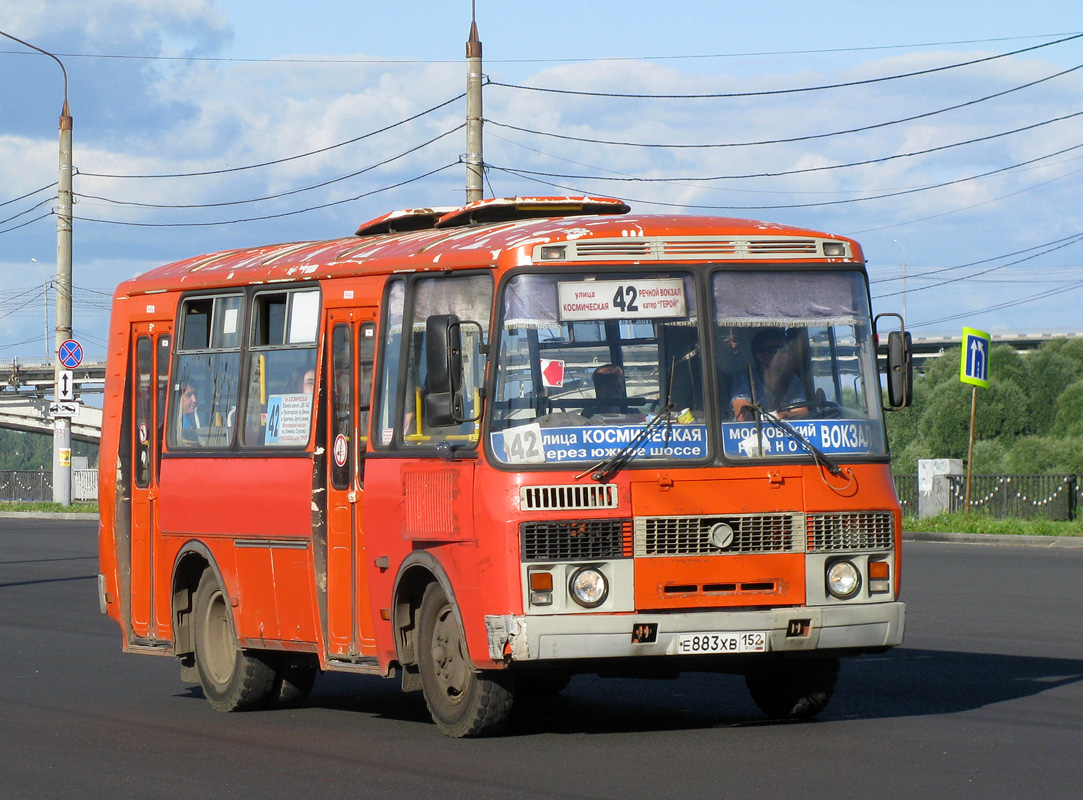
pixel 632 298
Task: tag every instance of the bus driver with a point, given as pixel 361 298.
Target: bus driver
pixel 775 385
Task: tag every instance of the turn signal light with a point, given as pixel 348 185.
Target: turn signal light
pixel 541 588
pixel 879 577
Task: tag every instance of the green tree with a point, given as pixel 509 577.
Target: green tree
pixel 1049 372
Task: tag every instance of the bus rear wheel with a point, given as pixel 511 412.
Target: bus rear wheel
pixel 798 688
pixel 462 701
pixel 232 679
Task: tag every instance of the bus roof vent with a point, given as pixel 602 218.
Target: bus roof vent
pixel 696 248
pixel 505 209
pixel 572 497
pixel 404 220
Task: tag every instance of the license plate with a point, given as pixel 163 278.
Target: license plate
pixel 742 642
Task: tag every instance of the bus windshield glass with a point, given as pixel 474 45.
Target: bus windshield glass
pixel 587 361
pixel 794 354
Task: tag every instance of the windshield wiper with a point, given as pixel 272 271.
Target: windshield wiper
pixel 610 466
pixel 818 455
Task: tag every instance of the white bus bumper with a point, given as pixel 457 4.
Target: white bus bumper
pixel 868 626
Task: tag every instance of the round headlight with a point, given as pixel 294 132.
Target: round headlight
pixel 588 587
pixel 843 579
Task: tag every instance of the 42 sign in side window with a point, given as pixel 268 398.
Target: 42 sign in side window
pixel 633 298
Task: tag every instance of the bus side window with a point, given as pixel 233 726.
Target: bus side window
pixel 204 394
pixel 281 369
pixel 383 425
pixel 366 356
pixel 469 298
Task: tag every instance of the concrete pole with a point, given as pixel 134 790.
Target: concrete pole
pixel 62 425
pixel 473 158
pixel 62 429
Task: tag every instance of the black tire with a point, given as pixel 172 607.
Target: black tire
pixel 798 688
pixel 294 678
pixel 462 701
pixel 232 679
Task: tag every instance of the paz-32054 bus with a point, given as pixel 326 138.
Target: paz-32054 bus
pixel 486 448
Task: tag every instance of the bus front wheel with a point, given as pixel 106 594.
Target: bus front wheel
pixel 462 701
pixel 232 679
pixel 798 688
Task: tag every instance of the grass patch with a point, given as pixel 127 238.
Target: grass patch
pixel 74 508
pixel 980 523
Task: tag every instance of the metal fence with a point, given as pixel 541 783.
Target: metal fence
pixel 906 486
pixel 1054 497
pixel 36 486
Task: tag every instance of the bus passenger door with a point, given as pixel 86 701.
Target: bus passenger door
pixel 149 376
pixel 348 372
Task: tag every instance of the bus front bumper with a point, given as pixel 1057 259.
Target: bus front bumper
pixel 869 626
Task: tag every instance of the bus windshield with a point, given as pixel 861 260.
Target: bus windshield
pixel 587 361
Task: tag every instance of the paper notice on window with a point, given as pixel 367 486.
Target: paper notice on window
pixel 288 417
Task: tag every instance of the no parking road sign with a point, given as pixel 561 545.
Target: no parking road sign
pixel 974 363
pixel 70 354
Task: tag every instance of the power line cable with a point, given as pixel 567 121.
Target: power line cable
pixel 280 194
pixel 942 270
pixel 991 200
pixel 1074 240
pixel 27 211
pixel 771 92
pixel 282 160
pixel 866 162
pixel 787 140
pixel 28 194
pixel 591 59
pixel 821 203
pixel 23 225
pixel 1000 306
pixel 267 216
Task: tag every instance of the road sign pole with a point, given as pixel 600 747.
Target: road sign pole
pixel 970 448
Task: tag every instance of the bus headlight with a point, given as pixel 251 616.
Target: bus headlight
pixel 843 579
pixel 588 587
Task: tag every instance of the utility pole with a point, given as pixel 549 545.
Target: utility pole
pixel 62 425
pixel 474 161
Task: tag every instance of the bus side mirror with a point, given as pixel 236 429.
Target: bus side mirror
pixel 443 404
pixel 443 354
pixel 900 364
pixel 444 370
pixel 900 369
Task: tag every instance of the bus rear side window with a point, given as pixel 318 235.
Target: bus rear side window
pixel 204 392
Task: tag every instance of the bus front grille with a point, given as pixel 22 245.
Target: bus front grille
pixel 704 535
pixel 575 540
pixel 864 530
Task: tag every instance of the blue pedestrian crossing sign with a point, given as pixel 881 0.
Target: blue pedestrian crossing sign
pixel 974 362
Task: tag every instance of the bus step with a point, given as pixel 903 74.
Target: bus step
pixel 369 665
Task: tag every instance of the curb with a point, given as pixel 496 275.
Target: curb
pixel 995 539
pixel 51 515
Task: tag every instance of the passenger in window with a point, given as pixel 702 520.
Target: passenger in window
pixel 189 414
pixel 775 385
pixel 303 381
pixel 609 385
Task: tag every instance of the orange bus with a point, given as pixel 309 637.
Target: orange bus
pixel 486 448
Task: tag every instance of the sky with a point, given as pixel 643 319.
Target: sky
pixel 947 138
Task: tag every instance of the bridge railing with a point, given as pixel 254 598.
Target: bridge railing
pixel 36 486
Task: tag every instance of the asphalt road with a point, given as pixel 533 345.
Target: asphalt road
pixel 984 700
